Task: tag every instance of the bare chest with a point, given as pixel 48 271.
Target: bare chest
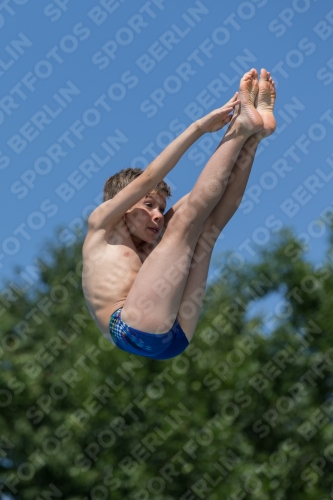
pixel 121 244
pixel 111 265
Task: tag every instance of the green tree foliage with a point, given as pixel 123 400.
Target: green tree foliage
pixel 242 413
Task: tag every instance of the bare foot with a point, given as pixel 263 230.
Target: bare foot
pixel 264 103
pixel 249 118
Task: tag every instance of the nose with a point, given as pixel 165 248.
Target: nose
pixel 157 215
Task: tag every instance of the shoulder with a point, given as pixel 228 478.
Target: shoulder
pixel 99 237
pixel 94 239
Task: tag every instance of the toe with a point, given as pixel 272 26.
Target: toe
pixel 264 74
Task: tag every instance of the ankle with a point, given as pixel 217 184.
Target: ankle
pixel 238 129
pixel 254 140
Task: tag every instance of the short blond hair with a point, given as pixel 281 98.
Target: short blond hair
pixel 121 179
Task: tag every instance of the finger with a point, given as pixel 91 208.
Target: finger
pixel 231 104
pixel 234 103
pixel 226 109
pixel 227 120
pixel 234 97
pixel 228 117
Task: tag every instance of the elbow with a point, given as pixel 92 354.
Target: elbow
pixel 92 221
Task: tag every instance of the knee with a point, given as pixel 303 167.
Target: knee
pixel 185 221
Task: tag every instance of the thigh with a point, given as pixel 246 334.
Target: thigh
pixel 154 299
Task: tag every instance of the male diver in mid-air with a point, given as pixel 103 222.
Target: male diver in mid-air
pixel 145 272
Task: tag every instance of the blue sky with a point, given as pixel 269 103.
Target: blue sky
pixel 89 88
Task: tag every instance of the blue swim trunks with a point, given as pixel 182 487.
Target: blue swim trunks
pixel 151 345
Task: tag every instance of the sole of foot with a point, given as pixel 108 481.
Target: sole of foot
pixel 249 118
pixel 264 103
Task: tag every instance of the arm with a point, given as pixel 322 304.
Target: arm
pixel 161 166
pixel 111 212
pixel 212 122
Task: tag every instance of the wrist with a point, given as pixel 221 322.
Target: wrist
pixel 197 128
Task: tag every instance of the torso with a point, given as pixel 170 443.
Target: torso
pixel 110 265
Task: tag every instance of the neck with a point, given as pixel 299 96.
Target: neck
pixel 139 244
